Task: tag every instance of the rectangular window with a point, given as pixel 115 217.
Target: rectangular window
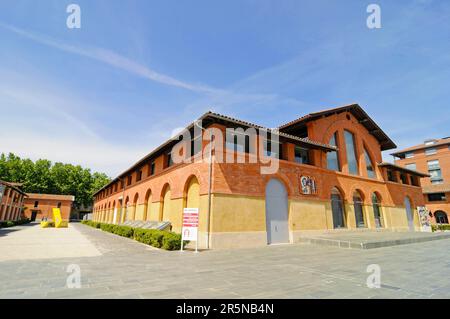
pixel 237 142
pixel 138 175
pixel 391 176
pixel 271 150
pixel 36 204
pixel 434 169
pixel 169 161
pixel 129 180
pixel 411 166
pixel 152 169
pixel 369 165
pixel 332 157
pixel 430 151
pixel 351 153
pixel 196 145
pixel 301 155
pixel 414 181
pixel 438 197
pixel 403 178
pixel 409 155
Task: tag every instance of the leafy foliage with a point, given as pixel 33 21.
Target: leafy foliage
pixel 42 176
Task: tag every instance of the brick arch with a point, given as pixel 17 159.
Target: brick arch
pixel 283 178
pixel 357 189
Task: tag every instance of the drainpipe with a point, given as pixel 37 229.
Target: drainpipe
pixel 208 216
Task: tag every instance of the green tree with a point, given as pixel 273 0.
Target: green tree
pixel 42 176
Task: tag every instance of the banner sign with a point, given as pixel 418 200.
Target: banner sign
pixel 424 219
pixel 190 223
pixel 308 185
pixel 190 226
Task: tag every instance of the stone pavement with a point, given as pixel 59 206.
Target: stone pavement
pixel 370 239
pixel 33 242
pixel 127 269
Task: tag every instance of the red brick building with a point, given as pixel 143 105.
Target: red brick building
pixel 11 201
pixel 330 175
pixel 39 206
pixel 433 156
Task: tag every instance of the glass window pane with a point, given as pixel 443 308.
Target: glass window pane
pixel 332 157
pixel 369 165
pixel 351 153
pixel 301 155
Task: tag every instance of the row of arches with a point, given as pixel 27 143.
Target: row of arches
pixel 119 211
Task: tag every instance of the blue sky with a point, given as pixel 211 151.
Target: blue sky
pixel 105 95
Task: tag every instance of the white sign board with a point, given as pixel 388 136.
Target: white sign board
pixel 190 226
pixel 424 219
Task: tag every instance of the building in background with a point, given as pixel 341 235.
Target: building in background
pixel 39 206
pixel 330 177
pixel 433 156
pixel 11 201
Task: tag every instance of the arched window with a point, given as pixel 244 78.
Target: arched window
pixel 192 193
pixel 369 165
pixel 166 203
pixel 351 153
pixel 332 157
pixel 337 208
pixel 376 205
pixel 441 217
pixel 148 205
pixel 358 206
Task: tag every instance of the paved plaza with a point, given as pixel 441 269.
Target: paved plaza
pixel 116 267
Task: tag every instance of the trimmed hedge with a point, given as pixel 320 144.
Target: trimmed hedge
pixel 11 223
pixel 153 237
pixel 440 227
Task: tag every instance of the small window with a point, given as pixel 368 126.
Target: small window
pixel 59 205
pixel 301 155
pixel 169 161
pixel 129 180
pixel 411 166
pixel 409 155
pixel 391 176
pixel 403 178
pixel 36 204
pixel 152 168
pixel 414 181
pixel 139 175
pixel 270 149
pixel 430 151
pixel 437 197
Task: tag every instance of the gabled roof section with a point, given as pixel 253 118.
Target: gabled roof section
pixel 357 111
pixel 207 119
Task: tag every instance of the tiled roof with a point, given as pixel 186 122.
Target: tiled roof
pixel 357 111
pixel 439 142
pixel 289 136
pixel 51 196
pixel 13 186
pixel 442 188
pixel 401 168
pixel 224 118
